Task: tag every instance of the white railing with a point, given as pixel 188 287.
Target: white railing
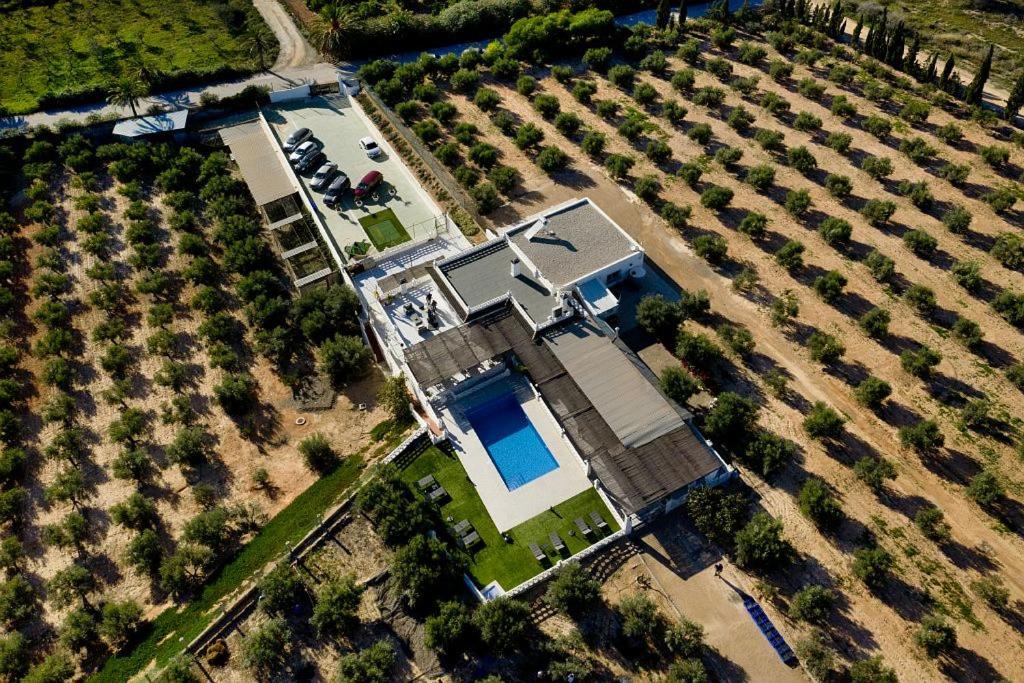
pixel 551 571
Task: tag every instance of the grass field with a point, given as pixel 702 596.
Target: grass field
pixel 80 46
pixel 167 634
pixel 384 229
pixel 495 559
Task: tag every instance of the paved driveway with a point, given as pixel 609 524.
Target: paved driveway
pixel 338 123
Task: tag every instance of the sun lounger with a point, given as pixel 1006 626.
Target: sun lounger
pixel 556 542
pixel 470 539
pixel 582 526
pixel 597 520
pixel 538 554
pixel 437 494
pixel 462 527
pixel 426 482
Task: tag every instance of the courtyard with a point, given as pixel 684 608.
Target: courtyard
pixel 398 212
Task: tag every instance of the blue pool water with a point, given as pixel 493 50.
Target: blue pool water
pixel 511 440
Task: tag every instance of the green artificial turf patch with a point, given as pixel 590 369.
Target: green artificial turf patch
pixel 496 559
pixel 384 229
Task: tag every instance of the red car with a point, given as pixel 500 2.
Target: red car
pixel 368 184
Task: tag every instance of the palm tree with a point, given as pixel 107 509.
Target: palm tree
pixel 334 25
pixel 258 41
pixel 126 92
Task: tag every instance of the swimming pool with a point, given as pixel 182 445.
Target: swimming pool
pixel 513 443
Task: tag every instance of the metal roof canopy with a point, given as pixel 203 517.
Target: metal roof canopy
pixel 632 407
pixel 151 125
pixel 260 161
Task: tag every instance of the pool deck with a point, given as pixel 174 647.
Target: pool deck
pixel 510 508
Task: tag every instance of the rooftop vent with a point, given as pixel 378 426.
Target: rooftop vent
pixel 535 229
pixel 514 269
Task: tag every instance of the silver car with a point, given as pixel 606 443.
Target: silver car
pixel 305 149
pixel 297 138
pixel 322 177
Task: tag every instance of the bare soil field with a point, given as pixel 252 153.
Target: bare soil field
pixel 929 577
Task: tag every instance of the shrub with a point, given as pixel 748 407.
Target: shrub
pixel 740 119
pixel 872 566
pixel 1008 249
pixel 780 70
pixel 728 156
pixel 875 323
pixel 817 657
pixel 678 384
pixel 700 133
pixel 484 155
pixel 344 358
pixel 751 53
pixel 915 111
pixel 593 144
pixel 967 274
pixel 878 211
pixel 761 176
pixel 843 107
pixel 823 422
pixel 840 142
pixel 647 187
pixel 801 159
pixel 618 165
pixel 874 472
pixel 992 591
pixel 709 96
pixel 810 88
pixel 739 340
pixel 935 636
pixel 835 231
pixel 924 437
pixel 621 76
pixel 712 248
pixel 447 154
pixel 771 140
pixel 573 591
pixel 921 298
pixel 658 152
pixel 753 225
pixel 812 603
pixel 597 58
pixel 825 348
pixel 716 513
pixel 528 135
pixel 563 74
pixel 465 81
pixel 546 105
pixel 917 149
pixel 768 453
pixel 956 174
pixel 675 215
pixel 716 197
pixel 949 133
pixel 995 155
pixel 877 167
pixel 503 624
pixel 486 99
pixel 967 332
pixel 918 193
pixel 690 50
pixel 790 255
pixel 931 522
pixel 830 285
pixel 427 130
pixel 1001 199
pixel 683 80
pixel 986 489
pixel 568 124
pixel 584 91
pixel 819 505
pixel 674 112
pixel 921 243
pixel 719 68
pixel 805 122
pixel 645 94
pixel 525 85
pixel 957 219
pixel 880 266
pixel 760 544
pixel 266 648
pixel 318 454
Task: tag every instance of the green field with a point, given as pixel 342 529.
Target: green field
pixel 68 47
pixel 384 229
pixel 964 28
pixel 495 559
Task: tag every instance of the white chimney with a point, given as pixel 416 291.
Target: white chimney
pixel 514 267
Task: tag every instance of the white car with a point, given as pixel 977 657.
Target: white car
pixel 297 138
pixel 370 146
pixel 323 176
pixel 306 148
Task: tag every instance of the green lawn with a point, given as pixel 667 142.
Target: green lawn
pixel 176 627
pixel 84 45
pixel 384 229
pixel 494 559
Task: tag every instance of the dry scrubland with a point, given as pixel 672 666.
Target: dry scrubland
pixel 970 471
pixel 155 429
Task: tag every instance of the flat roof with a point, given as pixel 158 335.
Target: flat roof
pixel 485 274
pixel 576 239
pixel 150 125
pixel 260 161
pixel 633 408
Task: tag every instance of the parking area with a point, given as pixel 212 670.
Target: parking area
pixel 399 208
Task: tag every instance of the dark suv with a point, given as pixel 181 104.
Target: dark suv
pixel 332 197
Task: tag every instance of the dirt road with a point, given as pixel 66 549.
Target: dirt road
pixel 295 50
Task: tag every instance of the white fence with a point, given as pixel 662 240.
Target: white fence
pixel 551 571
pixel 297 93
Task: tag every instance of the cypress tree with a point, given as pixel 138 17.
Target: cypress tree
pixel 929 76
pixel 1016 98
pixel 976 89
pixel 894 50
pixel 663 14
pixel 857 30
pixel 684 6
pixel 881 37
pixel 947 72
pixel 910 63
pixel 869 42
pixel 835 25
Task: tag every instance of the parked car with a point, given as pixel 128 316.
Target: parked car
pixel 308 163
pixel 370 182
pixel 324 174
pixel 332 197
pixel 370 146
pixel 305 149
pixel 297 138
